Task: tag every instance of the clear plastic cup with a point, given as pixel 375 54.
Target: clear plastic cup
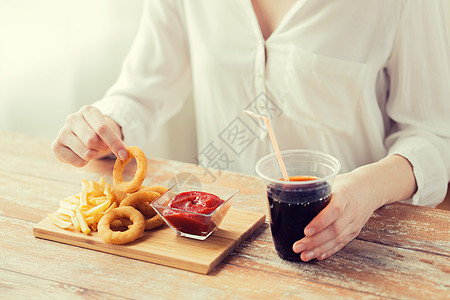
pixel 293 204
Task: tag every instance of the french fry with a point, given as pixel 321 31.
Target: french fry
pixel 84 190
pixel 83 224
pixel 64 217
pixel 109 193
pixel 94 189
pixel 98 200
pixel 75 223
pixel 114 205
pixel 65 211
pixel 97 209
pixel 90 220
pixel 59 222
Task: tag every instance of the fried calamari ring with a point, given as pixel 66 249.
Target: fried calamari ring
pixel 141 172
pixel 141 200
pixel 154 188
pixel 121 237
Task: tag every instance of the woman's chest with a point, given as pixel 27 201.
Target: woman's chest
pixel 269 14
pixel 231 33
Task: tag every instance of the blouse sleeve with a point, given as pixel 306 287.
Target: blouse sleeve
pixel 155 78
pixel 419 98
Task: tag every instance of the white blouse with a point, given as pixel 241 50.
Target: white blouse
pixel 358 79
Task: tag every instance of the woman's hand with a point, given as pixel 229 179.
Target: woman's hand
pixel 86 135
pixel 356 195
pixel 337 224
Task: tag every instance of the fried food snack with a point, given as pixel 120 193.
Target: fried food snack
pixel 141 172
pixel 120 213
pixel 121 237
pixel 154 188
pixel 84 210
pixel 141 201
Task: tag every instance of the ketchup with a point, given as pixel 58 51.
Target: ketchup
pixel 196 202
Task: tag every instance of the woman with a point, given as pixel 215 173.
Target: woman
pixel 365 81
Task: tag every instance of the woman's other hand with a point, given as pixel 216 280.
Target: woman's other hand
pixel 356 195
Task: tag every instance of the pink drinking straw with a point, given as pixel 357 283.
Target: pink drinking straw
pixel 273 140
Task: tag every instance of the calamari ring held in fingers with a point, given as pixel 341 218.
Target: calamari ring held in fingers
pixel 141 172
pixel 141 200
pixel 121 237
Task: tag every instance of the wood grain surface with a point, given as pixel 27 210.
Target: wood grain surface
pixel 401 253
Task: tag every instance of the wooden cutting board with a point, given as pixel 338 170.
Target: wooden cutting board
pixel 163 246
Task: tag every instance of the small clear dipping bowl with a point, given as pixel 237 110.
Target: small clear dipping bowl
pixel 192 224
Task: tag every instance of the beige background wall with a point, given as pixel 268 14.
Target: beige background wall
pixel 57 55
pixel 448 17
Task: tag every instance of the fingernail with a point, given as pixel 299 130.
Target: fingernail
pixel 322 257
pixel 123 154
pixel 309 255
pixel 299 248
pixel 309 231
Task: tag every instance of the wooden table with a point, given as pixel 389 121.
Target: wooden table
pixel 402 252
